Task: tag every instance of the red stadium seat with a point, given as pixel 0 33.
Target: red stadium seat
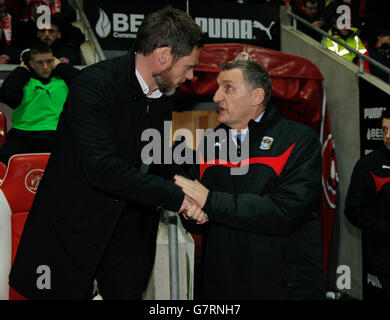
pixel 3 128
pixel 17 192
pixel 3 170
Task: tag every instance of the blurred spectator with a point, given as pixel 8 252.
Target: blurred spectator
pixel 8 54
pixel 64 15
pixel 36 90
pixel 376 15
pixel 312 11
pixel 6 22
pixel 349 37
pixel 26 29
pixel 52 37
pixel 380 51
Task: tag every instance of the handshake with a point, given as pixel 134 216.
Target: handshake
pixel 194 199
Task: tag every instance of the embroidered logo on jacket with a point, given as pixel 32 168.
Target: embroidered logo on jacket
pixel 266 143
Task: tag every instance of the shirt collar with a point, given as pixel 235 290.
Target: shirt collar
pixel 244 131
pixel 155 94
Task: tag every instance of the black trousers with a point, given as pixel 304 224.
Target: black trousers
pixel 21 141
pixel 125 268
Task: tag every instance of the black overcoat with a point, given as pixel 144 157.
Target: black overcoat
pixel 92 175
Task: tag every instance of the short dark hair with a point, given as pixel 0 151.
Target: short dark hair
pixel 169 27
pixel 40 47
pixel 385 114
pixel 254 75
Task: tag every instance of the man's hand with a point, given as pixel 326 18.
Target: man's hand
pixel 56 62
pixel 191 210
pixel 193 189
pixel 319 23
pixel 22 64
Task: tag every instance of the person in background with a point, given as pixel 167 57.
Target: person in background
pixel 349 36
pixel 26 28
pixel 313 11
pixel 367 206
pixel 380 51
pixel 37 91
pixel 52 37
pixel 8 54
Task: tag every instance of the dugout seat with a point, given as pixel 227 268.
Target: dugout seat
pixel 17 192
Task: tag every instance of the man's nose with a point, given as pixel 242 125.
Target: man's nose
pixel 217 95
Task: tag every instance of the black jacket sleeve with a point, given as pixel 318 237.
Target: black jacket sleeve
pixel 11 92
pixel 66 72
pixel 283 210
pixel 88 114
pixel 363 206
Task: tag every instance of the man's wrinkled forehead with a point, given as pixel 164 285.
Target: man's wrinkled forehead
pixel 230 76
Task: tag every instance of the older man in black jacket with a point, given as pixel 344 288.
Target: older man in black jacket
pixel 94 215
pixel 262 240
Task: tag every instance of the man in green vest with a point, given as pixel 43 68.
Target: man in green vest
pixel 36 90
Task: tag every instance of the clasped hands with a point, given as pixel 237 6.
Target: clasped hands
pixel 194 199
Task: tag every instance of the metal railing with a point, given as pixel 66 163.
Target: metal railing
pixel 89 32
pixel 327 35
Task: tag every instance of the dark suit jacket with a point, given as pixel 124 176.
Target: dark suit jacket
pixel 92 175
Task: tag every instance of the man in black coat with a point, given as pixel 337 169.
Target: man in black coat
pixel 367 207
pixel 95 213
pixel 259 187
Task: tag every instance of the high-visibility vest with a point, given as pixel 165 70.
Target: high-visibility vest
pixel 352 40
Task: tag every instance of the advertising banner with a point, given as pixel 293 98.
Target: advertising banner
pixel 116 23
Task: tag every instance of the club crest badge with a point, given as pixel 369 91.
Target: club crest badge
pixel 266 143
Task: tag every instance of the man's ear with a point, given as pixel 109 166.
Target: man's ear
pixel 257 96
pixel 164 56
pixel 59 35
